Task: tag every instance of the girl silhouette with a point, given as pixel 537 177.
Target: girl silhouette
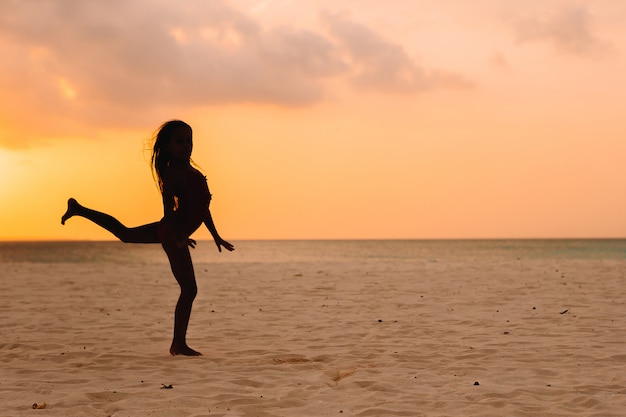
pixel 186 199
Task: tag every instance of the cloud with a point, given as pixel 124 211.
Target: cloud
pixel 381 65
pixel 110 63
pixel 568 29
pixel 75 65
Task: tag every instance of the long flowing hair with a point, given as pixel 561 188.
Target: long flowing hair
pixel 161 158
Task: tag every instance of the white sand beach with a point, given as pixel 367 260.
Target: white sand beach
pixel 461 337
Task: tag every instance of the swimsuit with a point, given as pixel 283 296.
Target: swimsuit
pixel 191 208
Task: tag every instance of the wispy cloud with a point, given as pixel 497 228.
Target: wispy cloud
pixel 569 29
pixel 382 65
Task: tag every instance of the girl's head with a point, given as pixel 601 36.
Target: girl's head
pixel 173 141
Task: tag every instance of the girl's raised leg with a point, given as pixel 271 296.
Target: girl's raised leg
pixel 143 234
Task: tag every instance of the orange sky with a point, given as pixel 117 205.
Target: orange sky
pixel 404 119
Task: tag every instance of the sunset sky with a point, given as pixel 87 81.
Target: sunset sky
pixel 321 119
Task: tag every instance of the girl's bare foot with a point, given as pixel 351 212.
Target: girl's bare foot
pixel 183 350
pixel 72 205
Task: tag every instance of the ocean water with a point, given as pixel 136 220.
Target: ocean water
pixel 303 251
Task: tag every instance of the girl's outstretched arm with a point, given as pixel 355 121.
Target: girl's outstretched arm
pixel 208 222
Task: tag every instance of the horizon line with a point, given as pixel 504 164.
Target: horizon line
pixel 48 240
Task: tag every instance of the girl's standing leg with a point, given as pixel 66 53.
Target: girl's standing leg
pixel 143 234
pixel 182 268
